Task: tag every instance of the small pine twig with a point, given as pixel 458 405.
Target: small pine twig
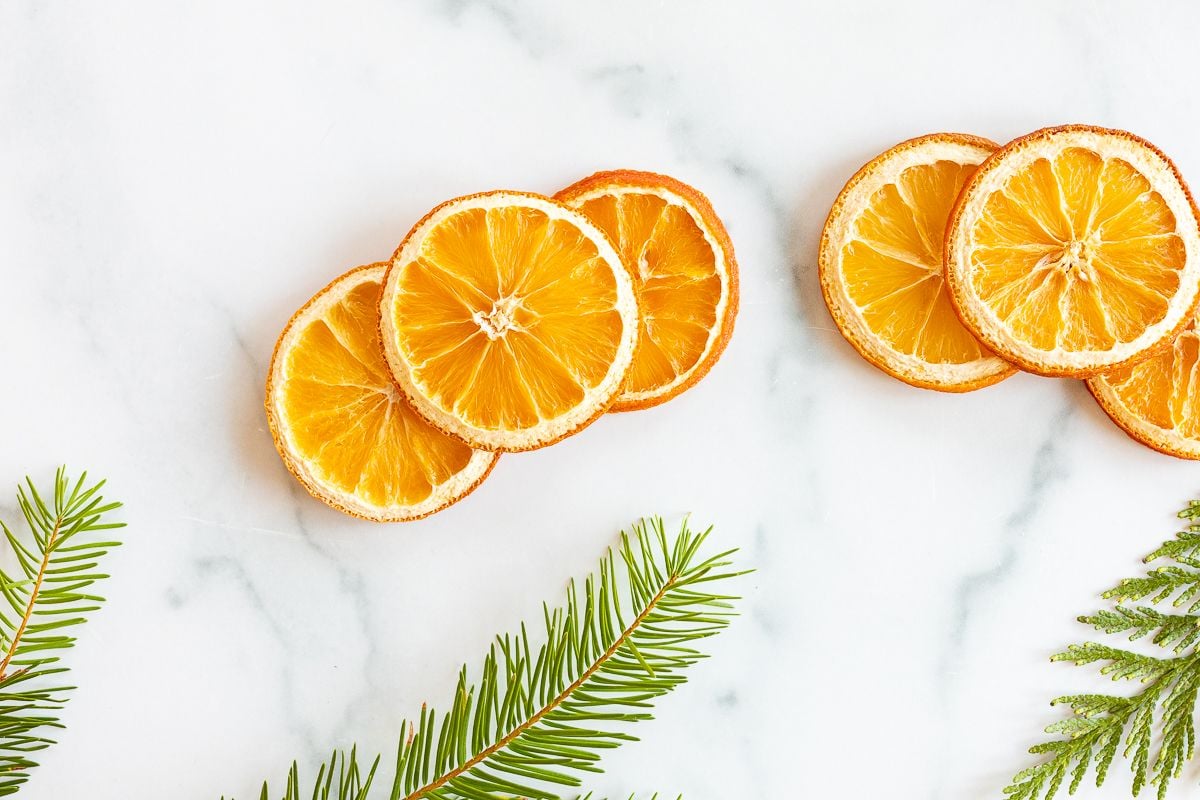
pixel 47 596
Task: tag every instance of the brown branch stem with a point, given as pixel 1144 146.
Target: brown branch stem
pixel 33 596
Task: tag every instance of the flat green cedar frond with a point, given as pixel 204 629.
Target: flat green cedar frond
pixel 57 564
pixel 539 715
pixel 1154 729
pixel 1175 631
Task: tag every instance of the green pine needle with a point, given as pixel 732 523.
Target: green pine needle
pixel 539 716
pixel 42 600
pixel 1155 728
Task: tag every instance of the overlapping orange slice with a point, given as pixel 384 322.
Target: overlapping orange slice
pixel 1157 401
pixel 1075 250
pixel 684 273
pixel 509 320
pixel 341 424
pixel 505 321
pixel 881 266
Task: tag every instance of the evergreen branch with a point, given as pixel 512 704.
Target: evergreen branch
pixel 45 597
pixel 1176 631
pixel 1157 724
pixel 536 719
pixel 343 777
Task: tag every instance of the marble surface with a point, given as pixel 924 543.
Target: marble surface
pixel 174 182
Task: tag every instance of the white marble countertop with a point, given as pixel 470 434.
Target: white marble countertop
pixel 174 183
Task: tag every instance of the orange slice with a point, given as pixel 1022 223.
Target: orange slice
pixel 508 320
pixel 881 265
pixel 1075 250
pixel 1157 401
pixel 341 424
pixel 684 273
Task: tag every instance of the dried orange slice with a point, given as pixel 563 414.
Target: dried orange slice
pixel 684 272
pixel 508 320
pixel 1075 250
pixel 341 424
pixel 1157 401
pixel 881 265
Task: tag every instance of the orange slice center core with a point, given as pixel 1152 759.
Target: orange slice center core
pixel 499 320
pixel 507 317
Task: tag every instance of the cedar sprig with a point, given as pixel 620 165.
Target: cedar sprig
pixel 1154 729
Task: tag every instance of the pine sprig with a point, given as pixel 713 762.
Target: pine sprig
pixel 1157 724
pixel 343 777
pixel 43 600
pixel 540 714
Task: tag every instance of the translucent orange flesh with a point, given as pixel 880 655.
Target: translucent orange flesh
pixel 1078 253
pixel 507 317
pixel 348 421
pixel 675 274
pixel 892 265
pixel 1165 389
